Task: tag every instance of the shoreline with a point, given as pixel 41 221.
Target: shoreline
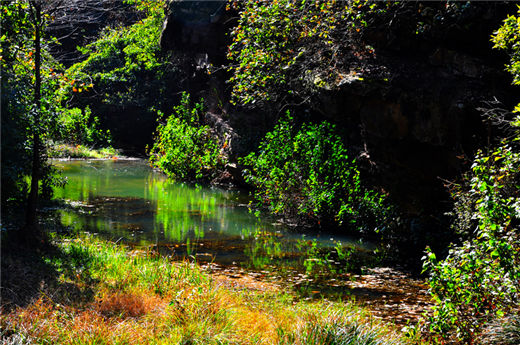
pixel 96 291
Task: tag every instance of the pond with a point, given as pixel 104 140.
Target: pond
pixel 127 201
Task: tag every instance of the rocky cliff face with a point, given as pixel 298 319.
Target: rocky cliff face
pixel 412 118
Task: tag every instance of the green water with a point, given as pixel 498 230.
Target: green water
pixel 125 200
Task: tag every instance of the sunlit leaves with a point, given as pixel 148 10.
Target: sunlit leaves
pixel 185 149
pixel 305 172
pixel 276 38
pixel 123 64
pixel 507 37
pixel 481 276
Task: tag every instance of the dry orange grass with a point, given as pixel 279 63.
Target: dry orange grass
pixel 129 304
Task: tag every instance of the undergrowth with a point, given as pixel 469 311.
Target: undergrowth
pixel 140 297
pixel 80 151
pixel 185 148
pixel 305 173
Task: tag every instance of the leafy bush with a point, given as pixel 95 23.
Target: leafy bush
pixel 506 38
pixel 184 148
pixel 277 42
pixel 76 126
pixel 480 277
pixel 306 173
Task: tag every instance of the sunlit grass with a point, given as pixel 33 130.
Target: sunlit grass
pixel 140 297
pixel 80 151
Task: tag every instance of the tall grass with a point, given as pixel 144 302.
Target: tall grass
pixel 140 297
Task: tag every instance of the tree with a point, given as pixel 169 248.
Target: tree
pixel 22 47
pixel 31 226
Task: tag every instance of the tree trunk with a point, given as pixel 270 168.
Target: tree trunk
pixel 31 223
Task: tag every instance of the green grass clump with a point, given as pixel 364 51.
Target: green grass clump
pixel 140 297
pixel 504 331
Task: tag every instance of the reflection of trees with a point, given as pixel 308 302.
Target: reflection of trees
pixel 127 200
pixel 184 212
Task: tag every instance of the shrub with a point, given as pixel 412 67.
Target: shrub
pixel 184 148
pixel 277 42
pixel 76 126
pixel 481 277
pixel 306 173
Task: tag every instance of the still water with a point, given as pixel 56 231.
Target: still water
pixel 128 201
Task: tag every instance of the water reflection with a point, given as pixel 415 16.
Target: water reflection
pixel 127 200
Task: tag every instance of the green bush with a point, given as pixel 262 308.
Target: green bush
pixel 184 148
pixel 479 280
pixel 481 277
pixel 305 173
pixel 506 38
pixel 277 46
pixel 76 126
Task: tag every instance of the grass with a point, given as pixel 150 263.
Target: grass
pixel 139 297
pixel 80 151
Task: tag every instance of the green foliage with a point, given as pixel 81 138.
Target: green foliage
pixel 306 173
pixel 480 277
pixel 76 126
pixel 124 68
pixel 184 148
pixel 20 117
pixel 53 121
pixel 506 38
pixel 277 43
